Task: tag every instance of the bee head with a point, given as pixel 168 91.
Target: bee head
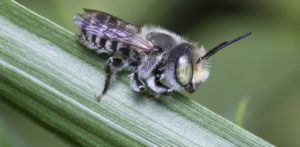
pixel 190 73
pixel 187 65
pixel 183 71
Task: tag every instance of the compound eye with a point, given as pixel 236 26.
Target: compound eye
pixel 184 70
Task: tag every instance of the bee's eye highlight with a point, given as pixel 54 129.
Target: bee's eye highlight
pixel 184 70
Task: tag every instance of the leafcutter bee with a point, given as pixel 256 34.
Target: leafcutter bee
pixel 157 59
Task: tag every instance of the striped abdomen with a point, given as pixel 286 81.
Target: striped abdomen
pixel 99 44
pixel 99 29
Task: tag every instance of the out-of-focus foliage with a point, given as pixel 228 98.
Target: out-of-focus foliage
pixel 241 111
pixel 264 67
pixel 3 138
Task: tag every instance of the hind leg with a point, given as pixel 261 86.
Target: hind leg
pixel 113 65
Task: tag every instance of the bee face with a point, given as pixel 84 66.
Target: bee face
pixel 189 74
pixel 181 66
pixel 200 69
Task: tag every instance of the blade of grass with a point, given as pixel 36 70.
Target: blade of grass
pixel 241 111
pixel 48 76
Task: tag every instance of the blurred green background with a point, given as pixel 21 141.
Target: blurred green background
pixel 263 70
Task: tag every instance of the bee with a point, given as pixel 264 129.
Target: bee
pixel 157 59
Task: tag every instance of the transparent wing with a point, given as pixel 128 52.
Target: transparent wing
pixel 111 27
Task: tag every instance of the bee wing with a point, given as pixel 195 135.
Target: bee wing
pixel 108 26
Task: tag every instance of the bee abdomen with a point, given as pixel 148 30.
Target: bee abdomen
pixel 98 43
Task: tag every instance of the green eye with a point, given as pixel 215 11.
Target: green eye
pixel 184 70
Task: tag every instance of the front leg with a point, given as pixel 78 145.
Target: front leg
pixel 113 64
pixel 136 83
pixel 155 85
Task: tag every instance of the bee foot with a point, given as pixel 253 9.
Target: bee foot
pixel 98 98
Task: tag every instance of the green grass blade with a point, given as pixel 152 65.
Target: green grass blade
pixel 241 111
pixel 53 80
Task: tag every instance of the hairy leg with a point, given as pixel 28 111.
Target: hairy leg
pixel 157 86
pixel 113 64
pixel 136 83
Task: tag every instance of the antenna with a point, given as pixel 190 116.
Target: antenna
pixel 221 46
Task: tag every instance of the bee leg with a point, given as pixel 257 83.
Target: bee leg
pixel 113 64
pixel 157 86
pixel 136 83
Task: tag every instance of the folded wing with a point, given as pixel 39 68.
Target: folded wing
pixel 107 26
